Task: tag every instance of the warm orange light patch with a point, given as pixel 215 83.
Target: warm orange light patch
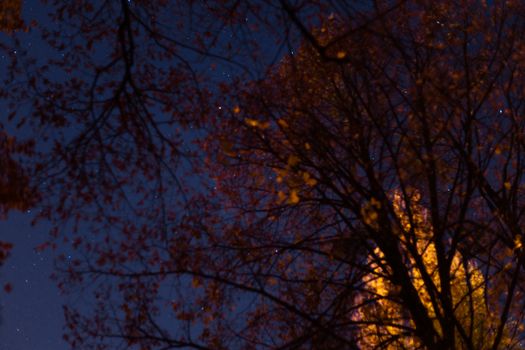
pixel 468 286
pixel 341 54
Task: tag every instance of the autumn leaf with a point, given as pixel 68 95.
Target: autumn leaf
pixel 294 197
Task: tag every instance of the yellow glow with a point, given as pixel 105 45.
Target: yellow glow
pixel 467 284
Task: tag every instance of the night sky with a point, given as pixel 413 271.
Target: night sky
pixel 31 315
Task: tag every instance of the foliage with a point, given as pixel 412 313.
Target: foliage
pixel 16 192
pixel 12 181
pixel 467 290
pixel 10 15
pixel 364 191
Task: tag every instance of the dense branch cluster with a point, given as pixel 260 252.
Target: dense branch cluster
pixel 358 187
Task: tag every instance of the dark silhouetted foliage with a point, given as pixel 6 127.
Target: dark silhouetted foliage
pixel 284 174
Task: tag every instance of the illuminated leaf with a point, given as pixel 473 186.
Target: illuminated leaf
pixel 294 197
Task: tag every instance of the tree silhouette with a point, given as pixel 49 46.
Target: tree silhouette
pixel 467 291
pixel 14 190
pixel 364 191
pixel 10 15
pixel 421 103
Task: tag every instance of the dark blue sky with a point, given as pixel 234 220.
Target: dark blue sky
pixel 32 312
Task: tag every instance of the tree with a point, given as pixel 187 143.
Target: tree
pixel 364 192
pixel 13 182
pixel 426 108
pixel 15 193
pixel 10 15
pixel 467 290
pixel 15 190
